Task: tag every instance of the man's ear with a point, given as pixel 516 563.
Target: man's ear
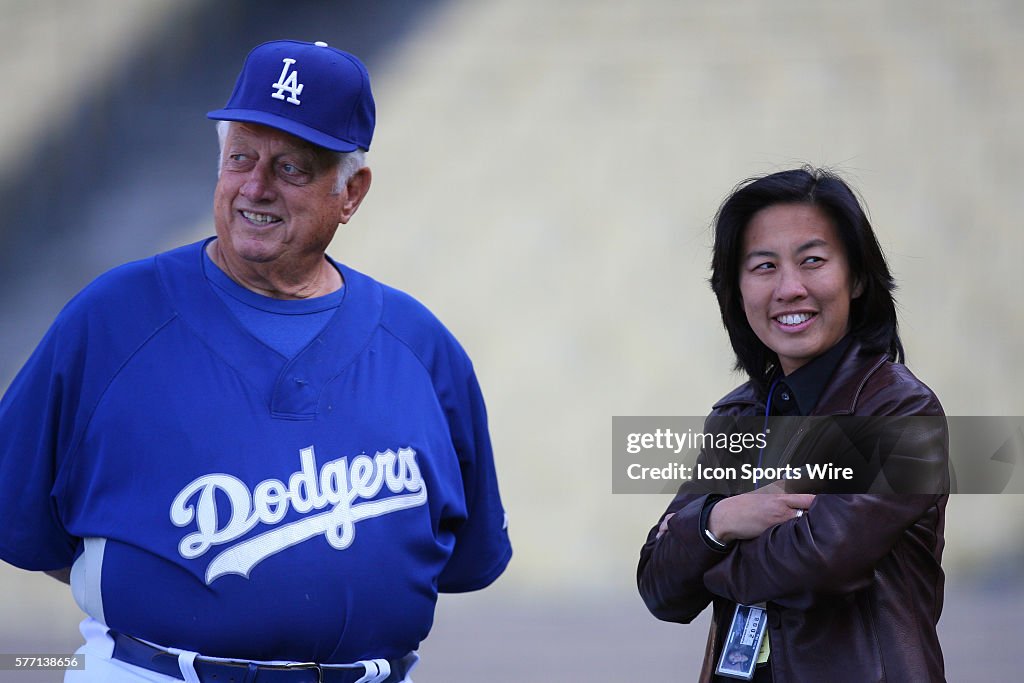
pixel 355 191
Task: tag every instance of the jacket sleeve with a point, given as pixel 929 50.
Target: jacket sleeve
pixel 671 571
pixel 833 549
pixel 670 575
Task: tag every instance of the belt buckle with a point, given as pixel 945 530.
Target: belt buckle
pixel 307 665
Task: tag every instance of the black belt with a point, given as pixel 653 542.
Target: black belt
pixel 133 651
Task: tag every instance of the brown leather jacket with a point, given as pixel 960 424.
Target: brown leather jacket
pixel 854 588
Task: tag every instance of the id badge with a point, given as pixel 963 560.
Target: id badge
pixel 739 656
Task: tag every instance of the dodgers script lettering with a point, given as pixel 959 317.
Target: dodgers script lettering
pixel 340 483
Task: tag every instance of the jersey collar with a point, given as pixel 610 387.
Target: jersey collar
pixel 288 388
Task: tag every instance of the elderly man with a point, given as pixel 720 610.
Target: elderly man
pixel 255 463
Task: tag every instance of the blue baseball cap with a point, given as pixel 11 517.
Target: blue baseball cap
pixel 311 90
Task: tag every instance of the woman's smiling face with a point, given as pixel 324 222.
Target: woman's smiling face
pixel 795 282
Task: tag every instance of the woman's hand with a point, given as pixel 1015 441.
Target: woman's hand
pixel 748 515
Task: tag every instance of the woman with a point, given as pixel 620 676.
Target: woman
pixel 845 586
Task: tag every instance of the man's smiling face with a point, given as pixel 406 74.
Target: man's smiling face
pixel 276 197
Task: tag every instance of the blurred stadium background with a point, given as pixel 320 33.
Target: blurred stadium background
pixel 544 177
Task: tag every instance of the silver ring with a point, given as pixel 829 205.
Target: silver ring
pixel 799 512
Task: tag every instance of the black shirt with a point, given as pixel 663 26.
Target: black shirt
pixel 798 392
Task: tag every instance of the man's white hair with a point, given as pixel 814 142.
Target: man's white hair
pixel 348 162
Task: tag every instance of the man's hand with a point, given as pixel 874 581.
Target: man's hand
pixel 749 515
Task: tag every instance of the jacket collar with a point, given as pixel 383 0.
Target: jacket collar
pixel 844 388
pixel 840 394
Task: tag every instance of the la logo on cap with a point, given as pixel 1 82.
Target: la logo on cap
pixel 288 82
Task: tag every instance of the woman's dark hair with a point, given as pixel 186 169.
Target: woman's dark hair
pixel 872 314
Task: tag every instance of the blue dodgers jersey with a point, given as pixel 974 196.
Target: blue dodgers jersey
pixel 252 506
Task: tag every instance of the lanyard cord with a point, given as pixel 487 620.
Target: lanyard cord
pixel 764 430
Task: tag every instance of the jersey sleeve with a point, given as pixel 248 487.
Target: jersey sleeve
pixel 35 434
pixel 46 409
pixel 482 546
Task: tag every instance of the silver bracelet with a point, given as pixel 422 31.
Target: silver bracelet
pixel 714 539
